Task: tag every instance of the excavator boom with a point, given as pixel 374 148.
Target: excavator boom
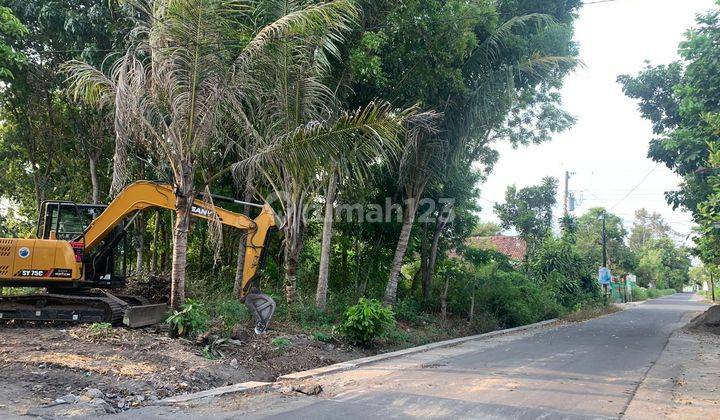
pixel 143 195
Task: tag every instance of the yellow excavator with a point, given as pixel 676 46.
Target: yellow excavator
pixel 75 252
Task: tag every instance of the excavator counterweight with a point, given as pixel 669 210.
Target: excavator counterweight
pixel 74 252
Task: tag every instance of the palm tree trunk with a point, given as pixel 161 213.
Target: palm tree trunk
pixel 94 178
pixel 432 256
pixel 139 243
pixel 240 262
pixel 155 255
pixel 322 286
pixel 166 242
pixel 183 203
pixel 239 265
pixel 424 251
pixel 471 315
pixel 443 298
pixel 400 249
pixel 291 266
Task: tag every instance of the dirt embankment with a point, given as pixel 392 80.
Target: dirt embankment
pixel 67 365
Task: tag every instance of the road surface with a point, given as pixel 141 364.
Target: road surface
pixel 583 370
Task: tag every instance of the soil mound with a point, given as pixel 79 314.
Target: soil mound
pixel 707 321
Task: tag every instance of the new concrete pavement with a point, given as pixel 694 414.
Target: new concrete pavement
pixel 574 371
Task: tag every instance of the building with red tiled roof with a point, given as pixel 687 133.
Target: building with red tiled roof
pixel 513 247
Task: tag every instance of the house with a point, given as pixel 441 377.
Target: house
pixel 513 247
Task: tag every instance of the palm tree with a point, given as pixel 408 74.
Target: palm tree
pixel 298 107
pixel 184 84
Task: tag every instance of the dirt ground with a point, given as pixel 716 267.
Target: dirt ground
pixel 683 383
pixel 47 365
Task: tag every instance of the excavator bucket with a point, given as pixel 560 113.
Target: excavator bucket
pixel 262 308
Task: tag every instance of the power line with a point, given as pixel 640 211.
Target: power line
pixel 636 186
pixel 597 2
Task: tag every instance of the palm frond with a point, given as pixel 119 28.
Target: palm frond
pixel 332 17
pixel 354 140
pixel 88 84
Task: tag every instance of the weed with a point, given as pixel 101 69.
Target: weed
pixel 100 329
pixel 212 351
pixel 281 343
pixel 191 318
pixel 322 336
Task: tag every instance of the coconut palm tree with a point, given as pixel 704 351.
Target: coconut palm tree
pixel 184 85
pixel 298 106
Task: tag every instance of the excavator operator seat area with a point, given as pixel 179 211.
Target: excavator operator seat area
pixel 66 219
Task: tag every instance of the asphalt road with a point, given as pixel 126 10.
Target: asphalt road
pixel 583 370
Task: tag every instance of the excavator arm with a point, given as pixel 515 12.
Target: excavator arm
pixel 143 195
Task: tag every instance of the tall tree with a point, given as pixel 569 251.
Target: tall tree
pixel 589 240
pixel 647 226
pixel 183 80
pixel 529 211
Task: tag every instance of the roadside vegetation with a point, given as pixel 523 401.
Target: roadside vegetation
pixel 369 126
pixel 682 103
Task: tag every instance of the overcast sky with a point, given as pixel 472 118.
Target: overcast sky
pixel 607 148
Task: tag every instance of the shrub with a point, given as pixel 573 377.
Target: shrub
pixel 639 294
pixel 191 318
pixel 231 312
pixel 307 316
pixel 484 322
pixel 397 336
pixel 366 321
pixel 409 310
pixel 514 300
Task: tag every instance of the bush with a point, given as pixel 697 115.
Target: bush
pixel 366 321
pixel 514 300
pixel 231 312
pixel 397 336
pixel 484 322
pixel 308 316
pixel 191 318
pixel 639 294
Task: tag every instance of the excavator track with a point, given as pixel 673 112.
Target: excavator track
pixel 61 307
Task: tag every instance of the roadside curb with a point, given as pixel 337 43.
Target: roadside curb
pixel 352 364
pixel 240 388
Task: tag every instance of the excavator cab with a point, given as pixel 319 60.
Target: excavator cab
pixel 67 220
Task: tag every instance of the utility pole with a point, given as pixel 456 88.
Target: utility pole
pixel 604 242
pixel 566 195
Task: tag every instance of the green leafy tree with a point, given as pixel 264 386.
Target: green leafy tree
pixel 620 258
pixel 647 226
pixel 663 265
pixel 529 211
